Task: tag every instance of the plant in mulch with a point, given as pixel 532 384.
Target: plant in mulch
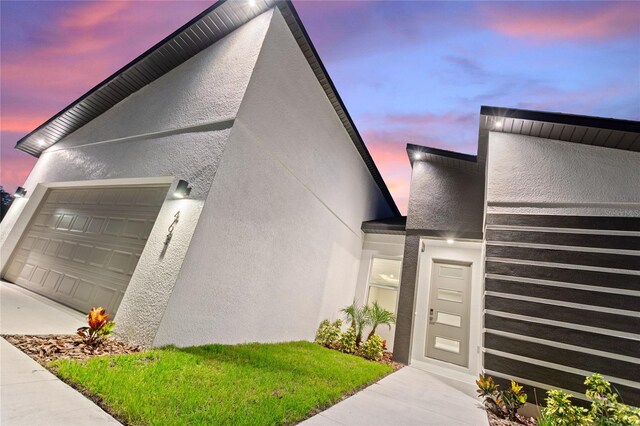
pixel 502 403
pixel 372 349
pixel 605 409
pixel 99 327
pixel 348 343
pixel 358 316
pixel 328 334
pixel 377 315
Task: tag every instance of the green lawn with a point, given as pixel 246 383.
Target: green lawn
pixel 256 384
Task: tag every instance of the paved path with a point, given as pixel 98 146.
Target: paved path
pixel 407 397
pixel 29 394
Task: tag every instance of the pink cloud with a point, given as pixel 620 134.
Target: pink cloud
pixel 553 21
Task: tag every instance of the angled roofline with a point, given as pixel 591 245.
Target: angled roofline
pixel 175 49
pixel 562 118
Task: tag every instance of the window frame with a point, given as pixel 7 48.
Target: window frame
pixel 382 286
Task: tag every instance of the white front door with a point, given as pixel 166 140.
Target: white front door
pixel 448 326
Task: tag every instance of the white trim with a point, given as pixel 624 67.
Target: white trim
pixel 564 304
pixel 563 284
pixel 563 248
pixel 556 205
pixel 574 348
pixel 206 127
pixel 562 324
pixel 563 368
pixel 562 265
pixel 562 230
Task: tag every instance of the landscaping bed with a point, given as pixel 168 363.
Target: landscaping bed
pixel 47 348
pixel 280 383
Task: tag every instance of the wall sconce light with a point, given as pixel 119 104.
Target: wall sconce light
pixel 20 192
pixel 450 240
pixel 182 189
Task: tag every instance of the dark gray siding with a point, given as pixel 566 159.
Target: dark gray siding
pixel 562 300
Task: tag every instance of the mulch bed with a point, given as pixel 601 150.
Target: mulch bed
pixel 47 348
pixel 387 358
pixel 523 420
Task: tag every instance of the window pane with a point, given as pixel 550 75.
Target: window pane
pixel 384 296
pixel 385 272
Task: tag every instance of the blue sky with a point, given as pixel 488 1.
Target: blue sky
pixel 408 72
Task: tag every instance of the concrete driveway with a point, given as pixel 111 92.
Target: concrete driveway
pixel 29 394
pixel 407 397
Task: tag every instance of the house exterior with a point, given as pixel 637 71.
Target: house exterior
pixel 216 190
pixel 523 260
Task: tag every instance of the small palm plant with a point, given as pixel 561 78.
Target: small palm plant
pixel 377 315
pixel 358 316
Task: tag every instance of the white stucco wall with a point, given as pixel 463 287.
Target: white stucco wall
pixel 535 175
pixel 278 244
pixel 388 246
pixel 176 127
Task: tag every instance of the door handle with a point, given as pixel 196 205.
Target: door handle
pixel 431 316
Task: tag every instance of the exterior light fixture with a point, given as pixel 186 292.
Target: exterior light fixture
pixel 20 192
pixel 41 142
pixel 417 156
pixel 498 124
pixel 182 189
pixel 252 3
pixel 450 240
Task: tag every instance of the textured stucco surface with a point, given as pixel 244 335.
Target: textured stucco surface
pixel 207 88
pixel 177 127
pixel 377 245
pixel 402 340
pixel 536 175
pixel 446 200
pixel 278 244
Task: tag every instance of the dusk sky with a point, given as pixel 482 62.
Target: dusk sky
pixel 408 72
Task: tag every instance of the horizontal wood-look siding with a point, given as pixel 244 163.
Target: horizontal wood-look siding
pixel 552 377
pixel 568 336
pixel 600 260
pixel 566 222
pixel 562 300
pixel 565 275
pixel 585 297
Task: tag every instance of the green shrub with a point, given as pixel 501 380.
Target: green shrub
pixel 560 411
pixel 605 408
pixel 348 341
pixel 372 348
pixel 328 334
pixel 504 404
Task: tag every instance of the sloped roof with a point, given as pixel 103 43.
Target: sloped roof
pixel 204 30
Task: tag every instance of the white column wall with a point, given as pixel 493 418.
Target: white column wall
pixel 279 242
pixel 175 128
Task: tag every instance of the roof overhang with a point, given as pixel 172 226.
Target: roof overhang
pixel 204 30
pixel 582 129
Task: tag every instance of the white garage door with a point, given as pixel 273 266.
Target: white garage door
pixel 84 244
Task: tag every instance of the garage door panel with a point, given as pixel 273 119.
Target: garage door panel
pixel 52 280
pixel 85 243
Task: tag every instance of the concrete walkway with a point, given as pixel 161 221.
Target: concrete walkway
pixel 407 397
pixel 29 394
